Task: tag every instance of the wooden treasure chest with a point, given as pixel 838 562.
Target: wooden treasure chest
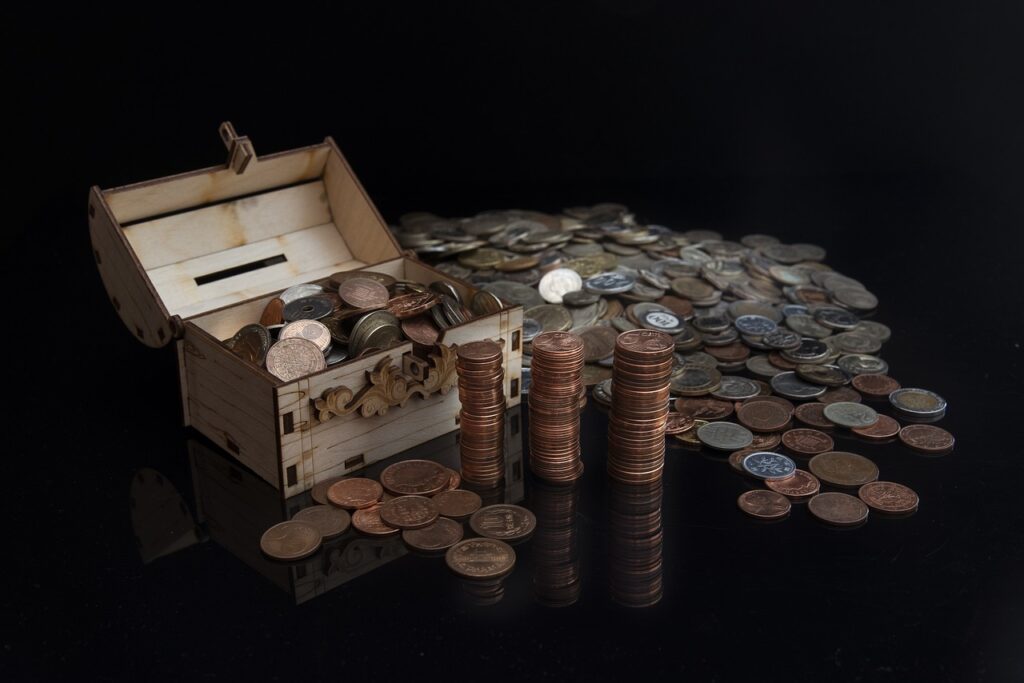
pixel 192 258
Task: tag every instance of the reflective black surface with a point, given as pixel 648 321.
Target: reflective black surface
pixel 891 138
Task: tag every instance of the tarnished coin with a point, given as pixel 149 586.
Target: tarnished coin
pixel 807 442
pixel 918 402
pixel 855 298
pixel 689 437
pixel 290 540
pixel 557 283
pixel 609 283
pixel 694 289
pixel 885 428
pixel 782 339
pixel 806 326
pixel 839 395
pixel 862 364
pixel 704 408
pixel 846 470
pixel 889 497
pixel 308 308
pixel 760 365
pixel 762 504
pixel 250 343
pixel 354 493
pixel 420 330
pixel 362 292
pixel 336 279
pixel 809 351
pixel 580 298
pixel 763 416
pixel 319 490
pixel 481 558
pixel 874 329
pixel 724 436
pixel 441 535
pixel 768 465
pixel 839 509
pixel 800 486
pixel 813 414
pixel 855 343
pixel 457 503
pixel 851 415
pixel 598 342
pixel 875 386
pixel 503 522
pixel 755 325
pixel 552 317
pixel 416 477
pixel 409 512
pixel 290 359
pixel 330 521
pixel 827 375
pixel 368 521
pixel 733 388
pixel 695 381
pixel 531 328
pixel 312 330
pixel 836 318
pixel 789 385
pixel 299 291
pixel 927 438
pixel 765 441
pixel 677 423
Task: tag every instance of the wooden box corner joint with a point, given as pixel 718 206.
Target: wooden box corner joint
pixel 388 385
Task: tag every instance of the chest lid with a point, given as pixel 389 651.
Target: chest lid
pixel 180 246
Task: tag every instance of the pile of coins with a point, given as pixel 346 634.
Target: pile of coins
pixel 311 326
pixel 554 399
pixel 640 391
pixel 482 416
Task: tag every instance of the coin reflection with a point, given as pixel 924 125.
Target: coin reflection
pixel 555 545
pixel 635 536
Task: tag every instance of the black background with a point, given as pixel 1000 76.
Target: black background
pixel 891 135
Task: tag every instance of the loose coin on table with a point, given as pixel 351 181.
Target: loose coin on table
pixel 789 385
pixel 704 408
pixel 800 486
pixel 678 423
pixel 457 503
pixel 888 497
pixel 408 512
pixel 481 558
pixel 724 436
pixel 763 416
pixel 875 386
pixel 415 478
pixel 839 468
pixel 885 428
pixel 442 534
pixel 368 521
pixel 927 439
pixel 852 415
pixel 918 403
pixel 839 509
pixel 503 522
pixel 813 415
pixel 763 504
pixel 768 465
pixel 330 521
pixel 319 490
pixel 290 540
pixel 807 442
pixel 354 493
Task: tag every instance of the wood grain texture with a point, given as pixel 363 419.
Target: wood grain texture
pixel 129 288
pixel 205 186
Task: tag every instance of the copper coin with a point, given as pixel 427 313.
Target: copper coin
pixel 273 314
pixel 330 521
pixel 736 459
pixel 839 509
pixel 689 437
pixel 504 522
pixel 319 490
pixel 362 292
pixel 799 486
pixel 709 409
pixel 290 540
pixel 415 478
pixel 807 442
pixel 839 395
pixel 763 416
pixel 368 521
pixel 481 558
pixel 885 428
pixel 888 497
pixel 678 423
pixel 411 305
pixel 454 480
pixel 776 359
pixel 408 512
pixel 763 504
pixel 441 535
pixel 420 329
pixel 813 414
pixel 598 342
pixel 735 352
pixel 839 468
pixel 457 504
pixel 875 386
pixel 354 493
pixel 778 400
pixel 927 438
pixel 766 441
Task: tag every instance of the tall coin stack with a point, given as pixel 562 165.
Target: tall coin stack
pixel 640 389
pixel 555 389
pixel 482 418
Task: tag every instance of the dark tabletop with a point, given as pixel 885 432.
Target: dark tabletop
pixel 128 540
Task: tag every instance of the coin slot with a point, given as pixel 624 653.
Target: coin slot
pixel 289 423
pixel 515 340
pixel 239 270
pixel 291 476
pixel 355 461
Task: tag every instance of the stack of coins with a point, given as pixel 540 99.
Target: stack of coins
pixel 482 418
pixel 554 399
pixel 635 539
pixel 640 391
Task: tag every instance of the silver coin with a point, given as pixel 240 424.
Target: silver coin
pixel 557 283
pixel 697 359
pixel 762 367
pixel 856 343
pixel 782 339
pixel 442 287
pixel 862 364
pixel 609 283
pixel 794 309
pixel 807 326
pixel 725 436
pixel 336 354
pixel 663 321
pixel 299 291
pixel 768 465
pixel 836 318
pixel 580 297
pixel 711 323
pixel 735 388
pixel 852 415
pixel 809 351
pixel 755 325
pixel 789 385
pixel 855 298
pixel 723 338
pixel 308 308
pixel 531 328
pixel 513 293
pixel 918 402
pixel 873 329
